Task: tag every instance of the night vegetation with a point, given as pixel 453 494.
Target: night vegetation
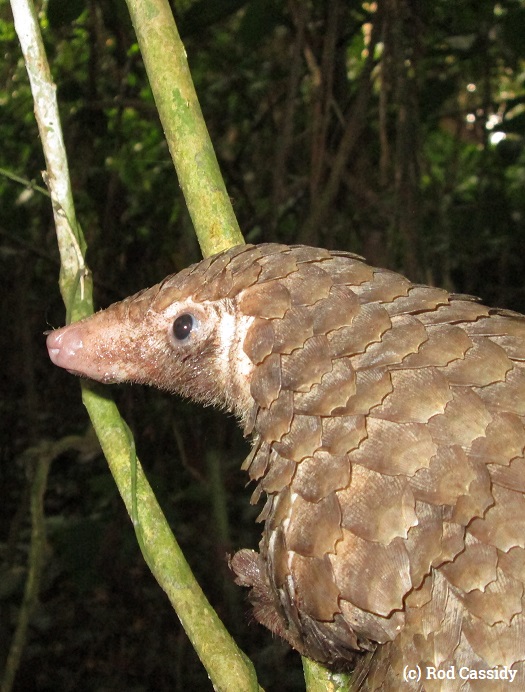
pixel 393 129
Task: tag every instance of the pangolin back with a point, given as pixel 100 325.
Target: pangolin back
pixel 389 438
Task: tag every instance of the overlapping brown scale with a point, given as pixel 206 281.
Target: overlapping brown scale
pixel 455 312
pixel 277 556
pixel 452 542
pixel 321 474
pixel 336 634
pixel 208 270
pixel 268 505
pixel 444 344
pixel 511 476
pixel 265 384
pixel 308 285
pixel 439 621
pixel 268 300
pixel 341 434
pixel 348 271
pixel 376 507
pixel 313 528
pixel 513 563
pixel 134 307
pixel 243 258
pixel 424 541
pixel 373 672
pixel 483 364
pixel 281 507
pixel 336 310
pixel 220 288
pixel 279 475
pixel 512 345
pixel 416 396
pixel 403 339
pixel 395 448
pixel 331 393
pixel 465 418
pixel 500 601
pixel 430 600
pixel 443 646
pixel 380 577
pixel 303 439
pixel 499 644
pixel 248 424
pixel 346 254
pixel 317 594
pixel 418 299
pixel 218 281
pixel 508 396
pixel 474 568
pixel 477 500
pixel 503 524
pixel 303 253
pixel 385 287
pixel 272 250
pixel 274 422
pixel 449 476
pixel 504 439
pixel 237 252
pixel 202 267
pixel 259 341
pixel 293 330
pixel 254 499
pixel 305 367
pixel 367 327
pixel 247 277
pixel 501 323
pixel 257 460
pixel 277 266
pixel 420 595
pixel 378 629
pixel 372 386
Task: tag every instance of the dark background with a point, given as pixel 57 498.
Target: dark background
pixel 393 129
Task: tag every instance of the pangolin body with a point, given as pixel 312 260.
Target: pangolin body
pixel 388 424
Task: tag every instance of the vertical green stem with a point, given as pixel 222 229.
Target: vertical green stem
pixel 186 133
pixel 320 679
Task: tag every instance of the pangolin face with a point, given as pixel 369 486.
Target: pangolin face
pixel 389 425
pixel 183 346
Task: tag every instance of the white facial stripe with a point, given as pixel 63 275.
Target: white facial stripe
pixel 232 359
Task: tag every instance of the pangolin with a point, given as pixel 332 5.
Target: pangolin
pixel 388 440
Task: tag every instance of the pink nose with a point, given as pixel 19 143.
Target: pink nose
pixel 63 346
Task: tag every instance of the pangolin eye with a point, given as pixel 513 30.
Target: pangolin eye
pixel 183 325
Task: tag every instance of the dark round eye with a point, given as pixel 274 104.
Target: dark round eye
pixel 183 325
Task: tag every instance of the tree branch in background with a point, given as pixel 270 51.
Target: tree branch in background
pixel 353 129
pixel 186 133
pixel 227 666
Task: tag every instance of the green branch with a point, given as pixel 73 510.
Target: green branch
pixel 186 133
pixel 227 666
pixel 217 229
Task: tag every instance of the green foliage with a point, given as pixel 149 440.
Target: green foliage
pixel 427 188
